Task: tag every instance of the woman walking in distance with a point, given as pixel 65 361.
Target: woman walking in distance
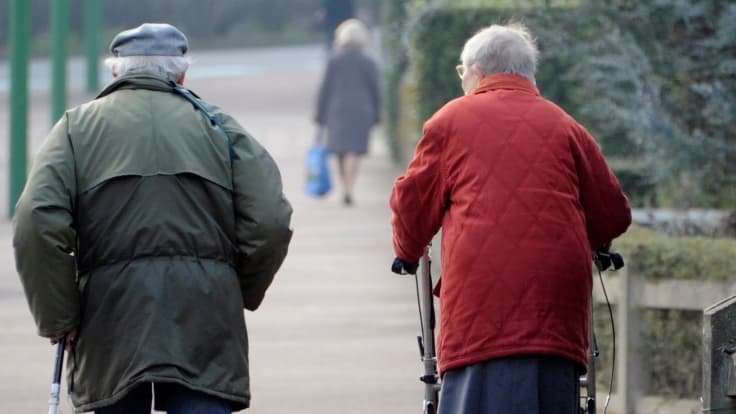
pixel 348 105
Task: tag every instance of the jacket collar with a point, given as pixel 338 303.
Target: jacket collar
pixel 505 81
pixel 139 81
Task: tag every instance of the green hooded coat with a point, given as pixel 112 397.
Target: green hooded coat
pixel 149 229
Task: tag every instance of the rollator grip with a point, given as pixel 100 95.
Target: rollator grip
pixel 605 259
pixel 400 267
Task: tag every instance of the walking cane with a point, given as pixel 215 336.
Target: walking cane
pixel 425 301
pixel 56 384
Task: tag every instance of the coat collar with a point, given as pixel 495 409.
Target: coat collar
pixel 139 81
pixel 505 81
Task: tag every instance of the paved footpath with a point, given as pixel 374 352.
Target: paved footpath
pixel 336 333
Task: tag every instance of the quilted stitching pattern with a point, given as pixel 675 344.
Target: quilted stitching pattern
pixel 521 187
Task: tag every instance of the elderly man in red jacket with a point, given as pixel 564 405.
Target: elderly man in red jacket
pixel 523 196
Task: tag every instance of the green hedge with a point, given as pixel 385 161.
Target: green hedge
pixel 654 256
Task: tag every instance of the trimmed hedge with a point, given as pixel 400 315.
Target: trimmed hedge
pixel 654 256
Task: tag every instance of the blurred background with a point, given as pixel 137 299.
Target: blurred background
pixel 223 24
pixel 654 82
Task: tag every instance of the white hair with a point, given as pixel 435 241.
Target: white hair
pixel 352 33
pixel 167 67
pixel 502 49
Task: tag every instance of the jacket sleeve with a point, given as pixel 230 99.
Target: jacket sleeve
pixel 262 217
pixel 607 210
pixel 419 198
pixel 44 237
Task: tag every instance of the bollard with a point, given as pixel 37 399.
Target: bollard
pixel 719 357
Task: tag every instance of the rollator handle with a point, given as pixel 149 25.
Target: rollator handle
pixel 401 267
pixel 605 259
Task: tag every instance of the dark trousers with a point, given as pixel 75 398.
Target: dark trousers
pixel 535 384
pixel 172 398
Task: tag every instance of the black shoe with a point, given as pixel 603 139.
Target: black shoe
pixel 347 200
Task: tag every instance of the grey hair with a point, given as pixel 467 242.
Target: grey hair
pixel 502 49
pixel 167 67
pixel 352 33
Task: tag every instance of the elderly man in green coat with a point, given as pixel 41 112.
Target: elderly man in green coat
pixel 149 221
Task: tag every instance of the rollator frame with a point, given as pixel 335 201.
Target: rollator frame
pixel 603 260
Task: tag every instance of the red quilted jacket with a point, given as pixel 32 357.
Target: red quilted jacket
pixel 522 194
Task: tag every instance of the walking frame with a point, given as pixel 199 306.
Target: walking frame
pixel 432 382
pixel 427 352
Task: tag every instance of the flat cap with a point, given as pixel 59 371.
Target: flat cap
pixel 150 39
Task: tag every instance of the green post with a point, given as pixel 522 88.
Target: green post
pixel 20 23
pixel 92 18
pixel 59 35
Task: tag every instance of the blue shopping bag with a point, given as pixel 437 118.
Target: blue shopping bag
pixel 318 171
